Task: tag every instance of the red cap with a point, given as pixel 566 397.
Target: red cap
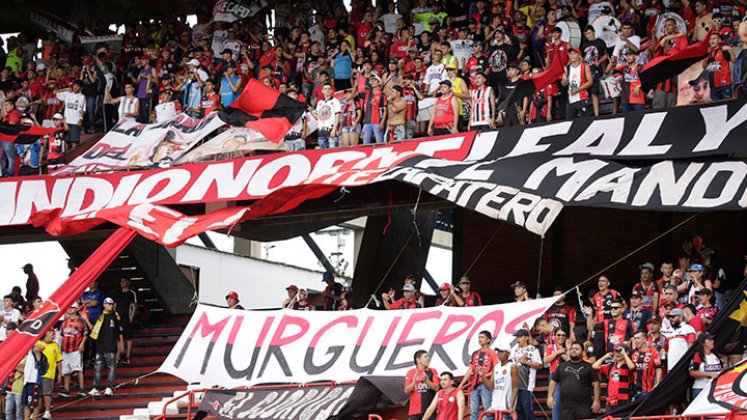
pixel 576 50
pixel 444 286
pixel 233 295
pixel 292 287
pixel 145 57
pixel 166 49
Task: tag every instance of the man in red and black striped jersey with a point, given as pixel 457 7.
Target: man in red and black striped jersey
pixel 562 315
pixel 611 332
pixel 469 297
pixel 407 301
pixel 603 299
pixel 619 375
pixel 647 365
pixel 421 384
pixel 74 335
pixel 480 371
pixel 648 288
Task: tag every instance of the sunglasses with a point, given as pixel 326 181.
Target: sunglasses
pixel 559 335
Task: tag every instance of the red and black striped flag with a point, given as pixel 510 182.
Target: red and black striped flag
pixel 264 109
pixel 668 66
pixel 23 134
pixel 530 83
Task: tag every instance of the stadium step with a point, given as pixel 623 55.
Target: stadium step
pixel 151 345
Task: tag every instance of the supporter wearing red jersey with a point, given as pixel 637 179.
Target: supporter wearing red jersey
pixel 557 351
pixel 665 93
pixel 705 308
pixel 477 63
pixel 469 297
pixel 479 373
pixel 578 79
pixel 719 62
pixel 611 332
pixel 633 97
pixel 667 278
pixel 210 98
pixel 445 116
pixel 693 320
pixel 647 363
pixel 374 111
pixel 408 300
pixel 603 299
pixel 449 401
pixel 562 315
pixel 421 384
pixel 619 375
pixel 74 334
pixel 401 48
pixel 647 287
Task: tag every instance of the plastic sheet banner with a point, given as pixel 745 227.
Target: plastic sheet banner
pixel 234 348
pixel 233 10
pixel 131 145
pixel 234 143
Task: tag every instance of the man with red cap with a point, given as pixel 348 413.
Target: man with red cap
pixel 577 77
pixel 232 300
pixel 292 296
pixel 448 296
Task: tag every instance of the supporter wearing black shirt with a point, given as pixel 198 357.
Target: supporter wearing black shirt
pixel 126 301
pixel 107 333
pixel 579 384
pixel 332 293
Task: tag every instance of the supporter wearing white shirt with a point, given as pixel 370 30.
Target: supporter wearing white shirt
pixel 435 73
pixel 527 359
pixel 679 336
pixel 9 314
pixel 390 18
pixel 129 105
pixel 327 113
pixel 626 41
pixel 461 47
pixel 75 109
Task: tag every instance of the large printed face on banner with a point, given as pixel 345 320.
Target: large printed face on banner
pixel 233 348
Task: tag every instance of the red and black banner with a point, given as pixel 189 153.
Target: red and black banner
pixel 264 109
pixel 668 66
pixel 23 134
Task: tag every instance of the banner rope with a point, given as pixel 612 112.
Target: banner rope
pixel 479 254
pixel 631 253
pixel 414 213
pixel 389 270
pixel 539 265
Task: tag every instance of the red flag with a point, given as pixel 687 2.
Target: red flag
pixel 16 346
pixel 668 66
pixel 264 109
pixel 23 134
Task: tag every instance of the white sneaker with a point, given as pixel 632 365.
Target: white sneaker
pixel 47 415
pixel 94 392
pixel 108 391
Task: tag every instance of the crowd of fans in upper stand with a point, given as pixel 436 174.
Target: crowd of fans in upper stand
pixel 632 338
pixel 369 74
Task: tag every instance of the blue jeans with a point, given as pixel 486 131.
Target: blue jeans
pixel 556 409
pixel 13 407
pixel 91 105
pixel 372 130
pixel 327 142
pixel 723 92
pixel 8 166
pixel 479 394
pixel 632 107
pixel 524 405
pixel 110 359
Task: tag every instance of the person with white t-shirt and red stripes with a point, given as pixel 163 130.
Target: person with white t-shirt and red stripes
pixel 679 336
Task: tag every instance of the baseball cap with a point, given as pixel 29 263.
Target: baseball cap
pixel 74 305
pixel 108 300
pixel 676 312
pixel 521 333
pixel 452 65
pixel 472 21
pixel 232 295
pixel 656 319
pixel 464 279
pixel 445 82
pixel 374 78
pixel 11 326
pixel 410 277
pixel 519 284
pixel 574 49
pixel 327 276
pixel 227 51
pixel 697 267
pixel 292 287
pixel 444 286
pixel 636 295
pixel 144 57
pixel 408 288
pixel 648 265
pixel 57 116
pixel 193 62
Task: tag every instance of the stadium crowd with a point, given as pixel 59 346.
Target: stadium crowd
pixel 369 74
pixel 628 339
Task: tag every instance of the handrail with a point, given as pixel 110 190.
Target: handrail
pixel 192 392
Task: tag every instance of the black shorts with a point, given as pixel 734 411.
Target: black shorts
pixel 126 325
pixel 30 395
pixel 596 75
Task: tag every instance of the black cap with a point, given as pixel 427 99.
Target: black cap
pixel 519 283
pixel 636 294
pixel 472 21
pixel 445 82
pixel 227 51
pixel 521 333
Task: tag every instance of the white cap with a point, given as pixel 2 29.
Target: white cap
pixel 193 62
pixel 41 66
pixel 58 116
